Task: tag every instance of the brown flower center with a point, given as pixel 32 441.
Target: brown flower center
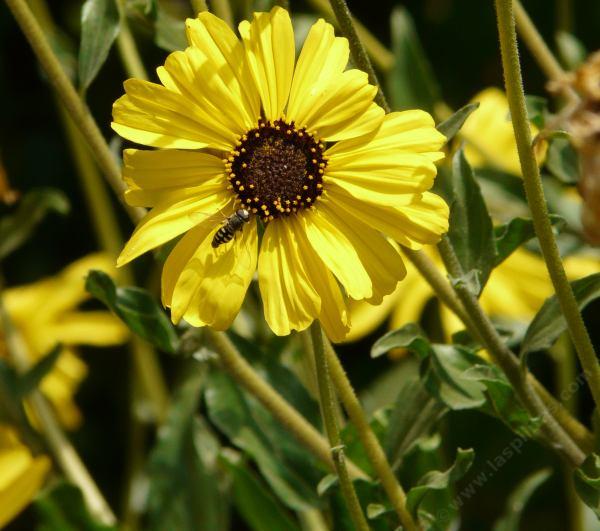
pixel 277 169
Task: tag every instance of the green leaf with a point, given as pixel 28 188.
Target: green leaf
pixel 411 82
pixel 100 23
pixel 549 323
pixel 537 110
pixel 453 124
pixel 185 489
pixel 471 232
pixel 291 472
pixel 169 31
pixel 17 227
pixel 62 508
pixel 136 308
pixel 517 501
pixel 510 236
pixel 409 334
pixel 258 507
pixel 587 483
pixel 570 49
pixel 562 159
pixel 437 480
pixel 31 379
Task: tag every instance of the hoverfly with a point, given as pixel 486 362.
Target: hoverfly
pixel 230 226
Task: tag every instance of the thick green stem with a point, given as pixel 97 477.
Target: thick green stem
pixel 553 433
pixel 328 412
pixel 535 197
pixel 128 51
pixel 77 109
pixel 243 373
pixel 375 452
pixel 65 455
pixel 359 54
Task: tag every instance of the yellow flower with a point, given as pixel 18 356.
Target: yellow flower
pixel 489 135
pixel 515 291
pixel 45 314
pixel 21 475
pixel 302 146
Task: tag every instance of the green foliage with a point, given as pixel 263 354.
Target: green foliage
pixel 62 508
pixel 17 227
pixel 562 160
pixel 452 125
pixel 136 308
pixel 587 482
pixel 259 508
pixel 549 323
pixel 517 501
pixel 471 232
pixel 30 379
pixel 411 82
pixel 169 31
pixel 186 491
pixel 436 480
pixel 537 110
pixel 100 22
pixel 571 50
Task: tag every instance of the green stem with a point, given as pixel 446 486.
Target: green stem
pixel 375 452
pixel 222 9
pixel 134 66
pixel 510 365
pixel 359 54
pixel 77 109
pixel 535 197
pixel 331 428
pixel 65 455
pixel 243 373
pixel 198 6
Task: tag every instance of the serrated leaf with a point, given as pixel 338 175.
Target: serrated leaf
pixel 571 50
pixel 62 508
pixel 18 226
pixel 185 491
pixel 30 380
pixel 411 82
pixel 169 31
pixel 562 159
pixel 437 480
pixel 510 236
pixel 136 308
pixel 259 508
pixel 290 471
pixel 452 125
pixel 517 501
pixel 471 232
pixel 587 483
pixel 100 22
pixel 549 323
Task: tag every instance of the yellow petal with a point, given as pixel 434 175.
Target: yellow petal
pixel 366 318
pixel 212 285
pixel 345 108
pixel 322 60
pixel 168 220
pixel 217 41
pixel 407 132
pixel 21 476
pixel 270 52
pixel 89 328
pixel 153 115
pixel 412 295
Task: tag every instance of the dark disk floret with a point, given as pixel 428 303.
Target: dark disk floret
pixel 276 169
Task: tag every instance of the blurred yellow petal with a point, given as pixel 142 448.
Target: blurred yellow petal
pixel 96 328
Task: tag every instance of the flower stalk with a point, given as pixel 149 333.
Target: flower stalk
pixel 536 199
pixel 134 66
pixel 77 109
pixel 375 452
pixel 243 373
pixel 326 398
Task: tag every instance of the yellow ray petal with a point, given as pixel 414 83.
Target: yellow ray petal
pixel 217 279
pixel 322 59
pixel 289 298
pixel 168 220
pixel 366 318
pixel 153 115
pixel 270 52
pixel 88 328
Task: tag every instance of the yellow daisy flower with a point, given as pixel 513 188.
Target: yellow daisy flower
pixel 515 291
pixel 21 474
pixel 45 314
pixel 301 146
pixel 489 135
